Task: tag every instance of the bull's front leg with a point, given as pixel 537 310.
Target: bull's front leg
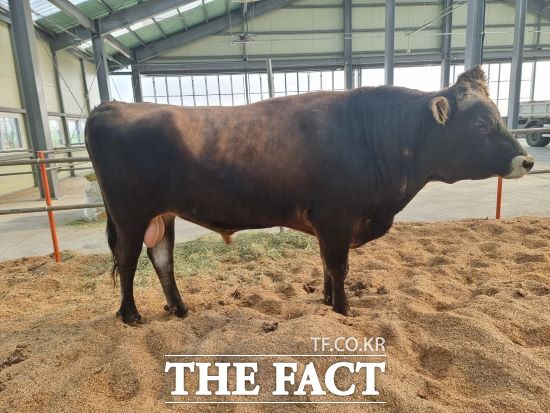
pixel 327 285
pixel 334 245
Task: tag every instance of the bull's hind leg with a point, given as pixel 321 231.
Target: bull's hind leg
pixel 127 250
pixel 162 257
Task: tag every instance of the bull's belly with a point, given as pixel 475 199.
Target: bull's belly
pixel 226 222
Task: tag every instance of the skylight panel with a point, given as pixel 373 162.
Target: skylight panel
pixel 141 24
pixel 42 8
pixel 85 45
pixel 166 15
pixel 190 6
pixel 120 32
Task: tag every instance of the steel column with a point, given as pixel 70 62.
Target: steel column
pixel 270 85
pixel 446 49
pixel 101 63
pixel 533 77
pixel 348 49
pixel 85 85
pixel 515 82
pixel 517 60
pixel 475 28
pixel 136 84
pixel 31 82
pixel 61 106
pixel 246 89
pixel 390 42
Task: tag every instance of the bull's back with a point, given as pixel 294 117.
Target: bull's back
pixel 256 157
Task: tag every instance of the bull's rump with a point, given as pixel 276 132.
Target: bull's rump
pixel 214 166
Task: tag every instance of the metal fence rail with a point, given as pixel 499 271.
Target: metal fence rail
pixel 50 208
pixel 41 162
pixel 526 131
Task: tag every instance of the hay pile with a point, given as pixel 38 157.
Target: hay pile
pixel 463 306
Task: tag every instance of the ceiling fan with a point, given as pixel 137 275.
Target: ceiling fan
pixel 245 37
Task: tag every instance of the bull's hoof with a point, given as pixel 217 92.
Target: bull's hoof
pixel 344 310
pixel 180 310
pixel 130 318
pixel 327 299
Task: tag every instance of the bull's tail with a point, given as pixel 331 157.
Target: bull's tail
pixel 111 239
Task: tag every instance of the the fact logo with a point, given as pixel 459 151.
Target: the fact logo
pixel 269 378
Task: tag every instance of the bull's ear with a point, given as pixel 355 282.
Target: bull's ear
pixel 441 109
pixel 473 79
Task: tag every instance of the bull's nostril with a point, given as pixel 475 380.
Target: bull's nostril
pixel 528 164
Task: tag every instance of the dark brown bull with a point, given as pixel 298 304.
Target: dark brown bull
pixel 337 165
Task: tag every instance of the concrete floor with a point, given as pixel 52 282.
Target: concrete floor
pixel 28 234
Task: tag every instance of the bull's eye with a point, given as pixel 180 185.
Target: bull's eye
pixel 480 124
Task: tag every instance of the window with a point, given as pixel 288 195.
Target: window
pixel 315 81
pixel 303 82
pixel 372 77
pixel 147 89
pixel 542 81
pixel 339 80
pixel 425 78
pixel 56 132
pixel 326 80
pixel 10 133
pixel 230 89
pixel 76 131
pixel 121 88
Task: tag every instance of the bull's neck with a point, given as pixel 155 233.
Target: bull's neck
pixel 391 135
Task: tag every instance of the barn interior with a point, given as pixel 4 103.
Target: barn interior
pixel 62 58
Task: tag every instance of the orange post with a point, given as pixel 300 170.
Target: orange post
pixel 499 197
pixel 48 198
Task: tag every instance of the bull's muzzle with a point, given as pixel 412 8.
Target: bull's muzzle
pixel 519 166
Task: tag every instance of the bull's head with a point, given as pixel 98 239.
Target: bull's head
pixel 470 137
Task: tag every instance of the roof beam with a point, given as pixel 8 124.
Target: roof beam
pixel 4 17
pixel 121 18
pixel 73 11
pixel 119 46
pixel 206 29
pixel 298 63
pixel 68 8
pixel 534 6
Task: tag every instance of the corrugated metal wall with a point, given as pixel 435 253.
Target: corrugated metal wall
pixel 9 96
pixel 368 26
pixel 8 81
pixel 47 69
pixel 72 87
